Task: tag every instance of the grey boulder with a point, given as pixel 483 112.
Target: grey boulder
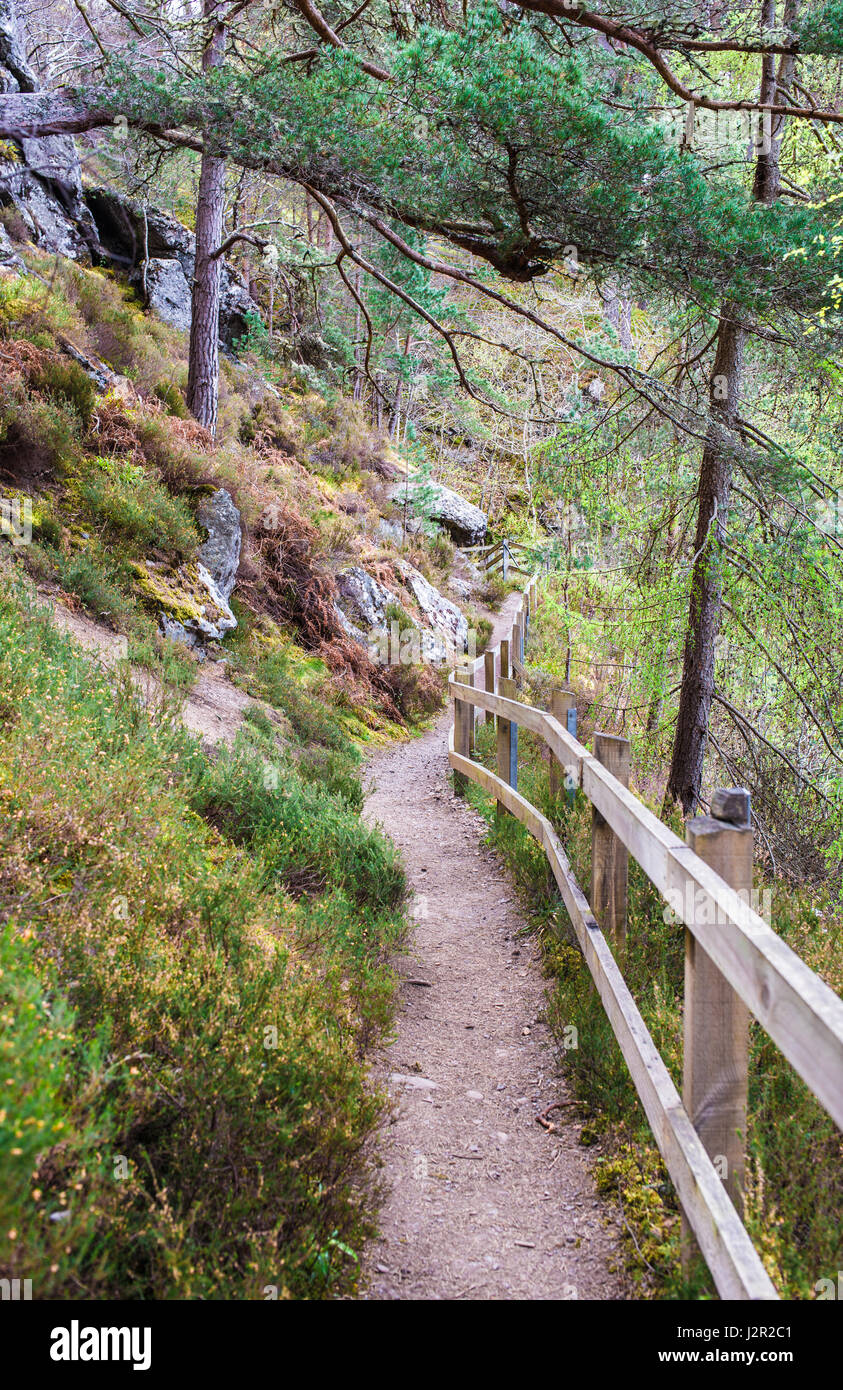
pixel 463 521
pixel 364 596
pixel 442 615
pixel 220 553
pixel 167 291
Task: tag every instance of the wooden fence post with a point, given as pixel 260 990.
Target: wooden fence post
pixel 504 658
pixel 716 1048
pixel 507 742
pixel 518 638
pixel 560 702
pixel 471 711
pixel 505 559
pixel 463 719
pixel 489 668
pixel 609 857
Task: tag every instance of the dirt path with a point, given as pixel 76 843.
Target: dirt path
pixel 482 1202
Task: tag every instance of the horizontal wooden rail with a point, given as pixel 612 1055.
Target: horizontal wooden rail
pixel 725 1244
pixel 802 1015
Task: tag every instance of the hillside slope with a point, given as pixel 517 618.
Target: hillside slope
pixel 196 933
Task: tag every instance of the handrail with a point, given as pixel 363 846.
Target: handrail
pixel 501 555
pixel 802 1015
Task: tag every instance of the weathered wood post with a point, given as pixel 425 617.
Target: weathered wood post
pixel 463 719
pixel 517 648
pixel 507 742
pixel 504 659
pixel 716 1048
pixel 561 701
pixel 505 559
pixel 471 710
pixel 609 857
pixel 489 668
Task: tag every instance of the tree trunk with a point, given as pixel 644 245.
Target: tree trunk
pixel 774 87
pixel 203 371
pixel 715 485
pixel 713 496
pixel 203 368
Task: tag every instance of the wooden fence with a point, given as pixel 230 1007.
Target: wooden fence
pixel 734 962
pixel 505 557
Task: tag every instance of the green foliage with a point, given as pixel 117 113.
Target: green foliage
pixel 275 679
pixel 93 580
pixel 185 1070
pixel 170 396
pixel 819 28
pixel 129 504
pixel 310 839
pixel 495 86
pixel 794 1190
pixel 172 664
pixel 68 383
pixel 419 497
pixel 37 436
pixel 483 629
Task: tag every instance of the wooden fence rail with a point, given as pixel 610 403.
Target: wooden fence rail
pixel 506 556
pixel 735 962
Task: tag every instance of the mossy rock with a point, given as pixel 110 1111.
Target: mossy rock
pixel 186 596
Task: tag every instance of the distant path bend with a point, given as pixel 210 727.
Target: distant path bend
pixel 482 1202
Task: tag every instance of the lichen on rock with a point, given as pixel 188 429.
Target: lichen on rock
pixel 193 609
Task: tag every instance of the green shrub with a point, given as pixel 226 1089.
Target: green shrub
pixel 69 384
pixel 310 838
pixel 334 770
pixel 274 680
pixel 45 526
pixel 172 663
pixel 180 468
pixel 131 504
pixel 190 1044
pixel 441 550
pixel 38 437
pixel 170 396
pixel 49 1140
pixel 85 575
pixel 483 629
pixel 114 325
pixel 493 592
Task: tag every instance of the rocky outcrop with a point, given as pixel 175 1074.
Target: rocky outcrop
pixel 464 522
pixel 165 288
pixel 443 633
pixel 220 553
pixel 193 599
pixel 129 234
pixel 193 610
pixel 349 628
pixel 41 179
pixel 364 596
pixel 9 258
pixel 15 72
pixel 442 615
